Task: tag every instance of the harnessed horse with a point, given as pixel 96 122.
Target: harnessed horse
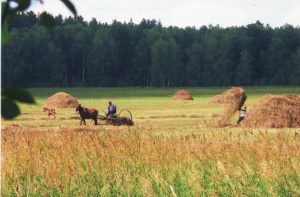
pixel 86 113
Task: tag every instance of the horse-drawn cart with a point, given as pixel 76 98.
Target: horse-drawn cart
pixel 124 117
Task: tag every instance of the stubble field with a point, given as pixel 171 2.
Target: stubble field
pixel 172 150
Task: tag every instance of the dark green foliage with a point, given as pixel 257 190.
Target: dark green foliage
pixel 23 4
pixel 18 94
pixel 47 20
pixel 165 62
pixel 244 70
pixel 9 108
pixel 70 5
pixel 5 33
pixel 80 53
pixel 9 97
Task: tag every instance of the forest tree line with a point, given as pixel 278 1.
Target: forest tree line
pixel 90 53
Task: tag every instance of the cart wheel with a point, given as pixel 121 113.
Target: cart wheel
pixel 101 112
pixel 125 113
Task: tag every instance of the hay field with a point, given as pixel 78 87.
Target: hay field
pixel 172 150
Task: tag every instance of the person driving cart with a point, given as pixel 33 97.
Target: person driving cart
pixel 112 109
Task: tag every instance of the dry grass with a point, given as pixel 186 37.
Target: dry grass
pixel 82 161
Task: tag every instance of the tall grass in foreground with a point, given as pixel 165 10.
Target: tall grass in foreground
pixel 78 162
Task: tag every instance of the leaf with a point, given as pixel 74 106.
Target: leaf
pixel 18 94
pixel 8 13
pixel 5 33
pixel 4 10
pixel 23 4
pixel 47 20
pixel 70 5
pixel 9 108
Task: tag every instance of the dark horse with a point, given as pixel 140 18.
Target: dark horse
pixel 86 113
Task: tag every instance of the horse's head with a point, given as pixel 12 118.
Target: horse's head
pixel 79 108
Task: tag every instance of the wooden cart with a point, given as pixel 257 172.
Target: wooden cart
pixel 124 117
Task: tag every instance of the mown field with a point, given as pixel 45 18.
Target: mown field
pixel 172 150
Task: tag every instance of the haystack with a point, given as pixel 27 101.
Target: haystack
pixel 61 100
pixel 273 111
pixel 217 99
pixel 233 99
pixel 182 95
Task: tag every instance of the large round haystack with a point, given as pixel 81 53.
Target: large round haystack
pixel 182 95
pixel 61 100
pixel 275 112
pixel 217 99
pixel 234 98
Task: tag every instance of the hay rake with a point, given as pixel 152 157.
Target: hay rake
pixel 118 119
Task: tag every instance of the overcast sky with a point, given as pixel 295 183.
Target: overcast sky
pixel 183 13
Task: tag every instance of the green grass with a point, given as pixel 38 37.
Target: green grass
pixel 170 151
pixel 143 103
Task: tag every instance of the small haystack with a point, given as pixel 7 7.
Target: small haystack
pixel 182 95
pixel 275 112
pixel 61 100
pixel 234 98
